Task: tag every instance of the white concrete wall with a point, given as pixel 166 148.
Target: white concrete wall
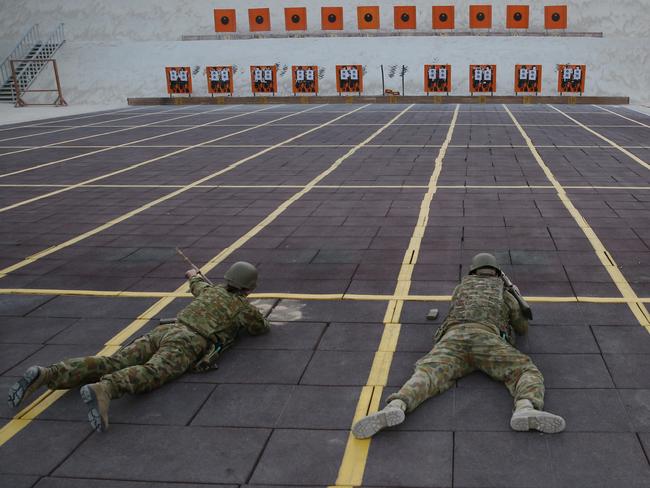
pixel 118 48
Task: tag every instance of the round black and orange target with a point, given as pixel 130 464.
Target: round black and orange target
pixel 405 17
pixel 259 19
pixel 443 17
pixel 331 18
pixel 517 17
pixel 480 16
pixel 225 20
pixel 368 17
pixel 555 17
pixel 295 19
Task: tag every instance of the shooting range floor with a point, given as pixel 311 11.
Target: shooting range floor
pixel 360 218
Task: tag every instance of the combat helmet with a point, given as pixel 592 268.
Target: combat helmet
pixel 242 275
pixel 484 260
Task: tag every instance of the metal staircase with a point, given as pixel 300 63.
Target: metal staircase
pixel 31 47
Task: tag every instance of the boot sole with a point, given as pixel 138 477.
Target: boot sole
pixel 370 425
pixel 90 399
pixel 544 422
pixel 18 390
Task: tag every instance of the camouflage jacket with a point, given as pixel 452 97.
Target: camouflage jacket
pixel 484 300
pixel 218 315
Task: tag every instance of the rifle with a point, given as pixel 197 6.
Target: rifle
pixel 195 267
pixel 514 291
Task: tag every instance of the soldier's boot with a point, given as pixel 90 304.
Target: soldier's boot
pixel 32 380
pixel 392 414
pixel 97 400
pixel 525 417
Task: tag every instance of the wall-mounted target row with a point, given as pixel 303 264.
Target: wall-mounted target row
pixel 349 79
pixel 404 18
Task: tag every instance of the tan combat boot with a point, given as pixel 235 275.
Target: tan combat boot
pixel 32 380
pixel 525 417
pixel 97 399
pixel 392 414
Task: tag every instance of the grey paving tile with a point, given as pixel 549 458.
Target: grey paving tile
pixel 436 413
pixel 607 314
pixel 49 442
pixel 623 340
pixel 338 368
pixel 479 460
pixel 566 339
pixel 425 459
pixel 351 337
pixel 557 314
pixel 31 329
pixel 320 407
pixel 482 409
pixel 244 406
pixel 401 367
pixel 256 366
pixel 301 457
pixel 50 354
pixel 173 404
pixel 87 307
pixel 13 354
pixel 89 331
pixel 573 370
pixel 285 335
pixel 637 404
pixel 416 338
pixel 328 311
pixel 17 481
pixel 611 459
pixel 127 453
pixel 589 410
pixel 99 483
pixel 19 305
pixel 629 370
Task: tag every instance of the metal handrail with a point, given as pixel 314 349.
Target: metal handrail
pixel 24 45
pixel 34 67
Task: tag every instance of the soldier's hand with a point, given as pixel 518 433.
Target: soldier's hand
pixel 190 272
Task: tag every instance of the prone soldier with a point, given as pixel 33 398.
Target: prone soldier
pixel 478 333
pixel 194 341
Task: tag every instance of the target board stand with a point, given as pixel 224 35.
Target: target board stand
pixel 219 80
pixel 571 79
pixel 179 80
pixel 304 80
pixel 528 79
pixel 264 79
pixel 437 78
pixel 349 78
pixel 482 78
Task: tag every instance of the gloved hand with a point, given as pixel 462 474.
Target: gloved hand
pixel 190 272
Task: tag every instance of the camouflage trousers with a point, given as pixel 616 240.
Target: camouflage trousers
pixel 147 363
pixel 464 349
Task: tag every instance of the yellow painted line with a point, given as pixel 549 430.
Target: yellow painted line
pixel 16 424
pixel 608 141
pixel 94 124
pixel 623 116
pixel 110 148
pixel 144 163
pixel 122 218
pixel 355 456
pixel 638 309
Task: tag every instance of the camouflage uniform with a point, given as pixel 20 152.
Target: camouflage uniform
pixel 209 324
pixel 478 333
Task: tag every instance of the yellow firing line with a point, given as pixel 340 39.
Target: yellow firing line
pixel 21 420
pixel 110 148
pixel 94 124
pixel 638 309
pixel 122 218
pixel 623 116
pixel 303 296
pixel 129 168
pixel 354 460
pixel 608 141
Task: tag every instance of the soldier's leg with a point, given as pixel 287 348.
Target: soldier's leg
pixel 525 382
pixel 78 371
pixel 434 373
pixel 175 351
